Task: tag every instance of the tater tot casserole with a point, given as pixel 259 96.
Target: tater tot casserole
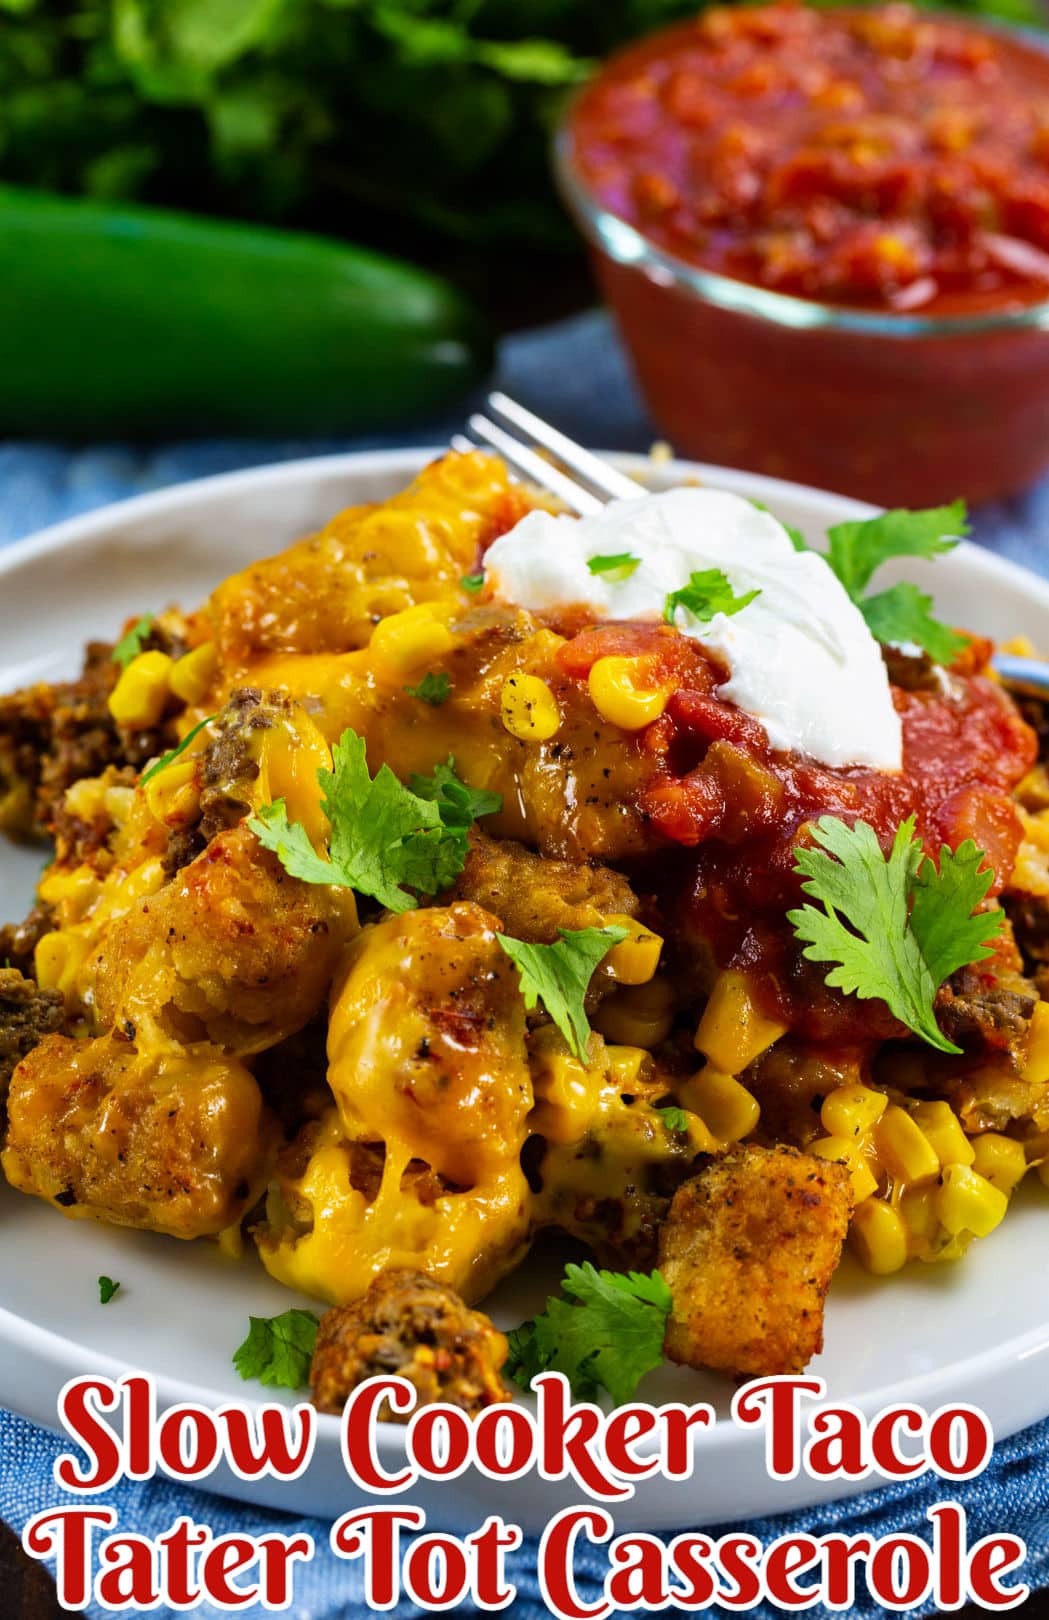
pixel 408 900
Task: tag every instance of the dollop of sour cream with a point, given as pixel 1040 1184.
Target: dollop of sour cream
pixel 800 657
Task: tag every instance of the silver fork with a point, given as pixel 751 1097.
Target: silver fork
pixel 596 483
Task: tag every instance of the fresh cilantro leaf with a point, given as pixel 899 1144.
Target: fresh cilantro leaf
pixel 434 689
pixel 385 839
pixel 950 932
pixel 611 1337
pixel 291 844
pixel 278 1349
pixel 707 592
pixel 472 583
pixel 559 976
pixel 858 549
pixel 130 644
pixel 525 1360
pixel 617 565
pixel 106 1289
pixel 797 539
pixel 674 1119
pixel 881 947
pixel 901 614
pixel 170 757
pixel 459 805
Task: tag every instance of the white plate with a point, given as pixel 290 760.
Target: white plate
pixel 976 1332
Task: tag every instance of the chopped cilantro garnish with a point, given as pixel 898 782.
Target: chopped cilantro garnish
pixel 130 644
pixel 609 1333
pixel 278 1349
pixel 386 839
pixel 472 583
pixel 617 565
pixel 106 1289
pixel 434 689
pixel 858 549
pixel 674 1119
pixel 895 927
pixel 170 757
pixel 708 592
pixel 559 976
pixel 459 805
pixel 901 614
pixel 383 836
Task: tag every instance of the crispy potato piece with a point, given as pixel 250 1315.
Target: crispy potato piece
pixel 232 950
pixel 173 1142
pixel 426 1044
pixel 534 896
pixel 339 1212
pixel 327 593
pixel 411 1325
pixel 748 1250
pixel 428 1067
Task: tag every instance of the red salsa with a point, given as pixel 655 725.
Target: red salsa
pixel 735 808
pixel 881 159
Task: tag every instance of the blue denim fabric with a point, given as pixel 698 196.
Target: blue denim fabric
pixel 574 373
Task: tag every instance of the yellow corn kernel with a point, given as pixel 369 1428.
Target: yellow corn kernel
pixel 172 794
pixel 919 1207
pixel 943 1130
pixel 565 1094
pixel 144 879
pixel 969 1203
pixel 141 694
pixel 57 960
pixel 727 1107
pixel 619 694
pixel 1000 1160
pixel 903 1148
pixel 878 1237
pixel 1036 1058
pixel 194 672
pixel 851 1110
pixel 74 890
pixel 625 1064
pixel 529 708
pixel 637 1015
pixel 403 642
pixel 733 1030
pixel 701 1138
pixel 842 1150
pixel 635 959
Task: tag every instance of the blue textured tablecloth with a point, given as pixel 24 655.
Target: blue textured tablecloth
pixel 575 374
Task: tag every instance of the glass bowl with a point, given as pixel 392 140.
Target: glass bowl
pixel 902 410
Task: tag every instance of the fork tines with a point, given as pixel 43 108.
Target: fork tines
pixel 607 481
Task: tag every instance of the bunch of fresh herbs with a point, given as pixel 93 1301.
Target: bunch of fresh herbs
pixel 399 122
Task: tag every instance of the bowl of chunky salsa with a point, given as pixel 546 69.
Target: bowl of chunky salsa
pixel 825 234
